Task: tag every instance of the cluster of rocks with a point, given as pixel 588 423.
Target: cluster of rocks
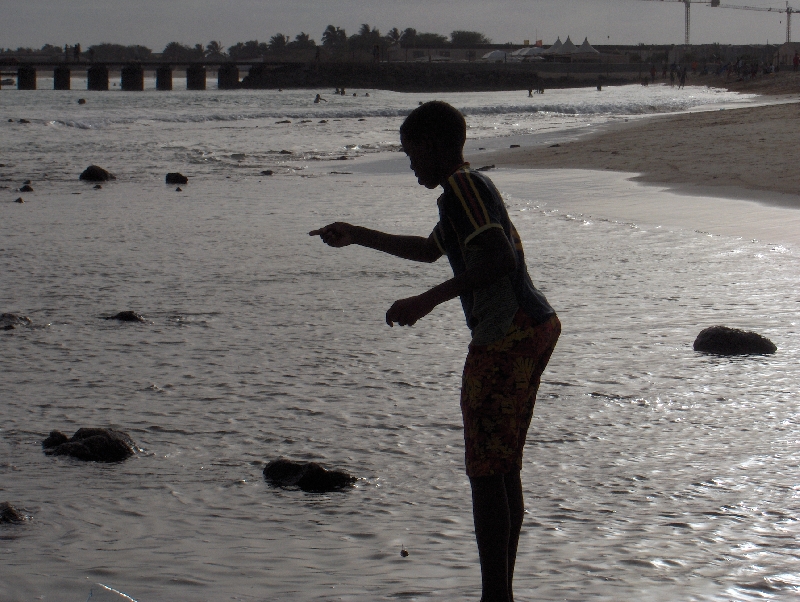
pixel 12 321
pixel 127 316
pixel 91 445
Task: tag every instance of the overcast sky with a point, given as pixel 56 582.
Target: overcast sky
pixel 154 23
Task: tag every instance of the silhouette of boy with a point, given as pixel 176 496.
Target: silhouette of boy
pixel 514 329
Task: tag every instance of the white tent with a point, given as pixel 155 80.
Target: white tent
pixel 494 55
pixel 568 47
pixel 586 48
pixel 555 48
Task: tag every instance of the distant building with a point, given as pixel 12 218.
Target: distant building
pixel 785 54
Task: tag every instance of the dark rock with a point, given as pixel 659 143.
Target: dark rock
pixel 485 168
pixel 93 173
pixel 285 152
pixel 514 146
pixel 91 445
pixel 323 121
pixel 555 146
pixel 19 200
pixel 361 119
pixel 10 121
pixel 97 187
pixel 342 158
pixel 27 182
pixel 179 189
pixel 127 316
pixel 24 121
pixel 267 172
pixel 308 476
pixel 732 341
pixel 11 321
pixel 81 101
pixel 9 514
pixel 26 188
pixel 284 121
pixel 177 178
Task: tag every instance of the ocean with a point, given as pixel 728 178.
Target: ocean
pixel 651 472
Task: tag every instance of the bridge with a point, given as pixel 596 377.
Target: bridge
pixel 131 73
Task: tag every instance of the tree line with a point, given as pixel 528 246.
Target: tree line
pixel 334 41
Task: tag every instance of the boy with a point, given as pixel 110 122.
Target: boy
pixel 514 329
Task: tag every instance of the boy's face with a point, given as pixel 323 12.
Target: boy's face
pixel 423 162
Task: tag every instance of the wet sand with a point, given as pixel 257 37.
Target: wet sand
pixel 746 153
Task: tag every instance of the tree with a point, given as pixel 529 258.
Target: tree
pixel 302 41
pixel 118 52
pixel 277 43
pixel 394 35
pixel 174 51
pixel 334 38
pixel 408 36
pixel 51 49
pixel 430 39
pixel 215 49
pixel 365 39
pixel 249 50
pixel 468 38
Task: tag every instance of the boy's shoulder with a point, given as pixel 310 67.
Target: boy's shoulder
pixel 467 184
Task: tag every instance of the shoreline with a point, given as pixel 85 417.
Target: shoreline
pixel 740 153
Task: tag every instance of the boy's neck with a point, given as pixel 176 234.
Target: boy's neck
pixel 453 166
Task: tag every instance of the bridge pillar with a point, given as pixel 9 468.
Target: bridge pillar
pixel 228 76
pixel 195 77
pixel 26 78
pixel 97 78
pixel 164 78
pixel 132 78
pixel 61 75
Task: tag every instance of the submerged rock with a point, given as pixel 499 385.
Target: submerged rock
pixel 26 188
pixel 93 173
pixel 11 321
pixel 20 200
pixel 267 172
pixel 485 168
pixel 176 178
pixel 9 514
pixel 91 445
pixel 732 341
pixel 308 476
pixel 127 316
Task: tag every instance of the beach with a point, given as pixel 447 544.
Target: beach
pixel 719 151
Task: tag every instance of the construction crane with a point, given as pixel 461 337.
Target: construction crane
pixel 688 5
pixel 788 10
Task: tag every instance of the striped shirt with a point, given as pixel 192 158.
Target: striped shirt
pixel 469 206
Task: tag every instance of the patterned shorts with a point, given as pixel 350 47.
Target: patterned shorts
pixel 498 392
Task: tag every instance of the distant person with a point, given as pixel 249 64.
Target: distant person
pixel 76 51
pixel 653 73
pixel 319 99
pixel 367 94
pixel 795 61
pixel 514 329
pixel 664 71
pixel 672 78
pixel 682 81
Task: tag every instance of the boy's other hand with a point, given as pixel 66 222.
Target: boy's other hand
pixel 406 312
pixel 338 234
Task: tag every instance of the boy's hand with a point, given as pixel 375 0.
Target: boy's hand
pixel 406 312
pixel 338 234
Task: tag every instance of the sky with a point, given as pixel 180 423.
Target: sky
pixel 154 23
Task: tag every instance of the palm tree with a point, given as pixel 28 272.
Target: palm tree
pixel 277 43
pixel 215 49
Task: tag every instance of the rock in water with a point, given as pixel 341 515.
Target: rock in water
pixel 93 173
pixel 732 341
pixel 91 444
pixel 9 514
pixel 11 321
pixel 20 200
pixel 177 178
pixel 127 316
pixel 308 476
pixel 26 188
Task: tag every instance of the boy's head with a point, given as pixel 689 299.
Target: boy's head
pixel 433 137
pixel 438 122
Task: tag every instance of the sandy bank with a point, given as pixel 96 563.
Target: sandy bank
pixel 743 153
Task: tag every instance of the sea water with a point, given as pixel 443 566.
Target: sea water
pixel 651 472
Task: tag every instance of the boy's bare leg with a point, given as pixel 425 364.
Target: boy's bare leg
pixel 516 507
pixel 491 512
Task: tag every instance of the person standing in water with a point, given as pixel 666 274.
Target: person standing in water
pixel 514 329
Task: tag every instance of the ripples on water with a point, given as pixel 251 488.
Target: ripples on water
pixel 651 472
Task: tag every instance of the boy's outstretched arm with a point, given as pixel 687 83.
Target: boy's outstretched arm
pixel 415 248
pixel 498 260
